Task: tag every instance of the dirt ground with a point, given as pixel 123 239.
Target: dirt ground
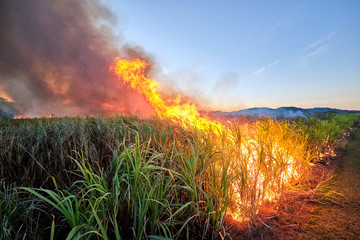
pixel 342 220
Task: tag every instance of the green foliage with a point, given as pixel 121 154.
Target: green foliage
pixel 126 178
pixel 18 218
pixel 323 133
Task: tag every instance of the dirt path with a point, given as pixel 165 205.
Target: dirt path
pixel 340 221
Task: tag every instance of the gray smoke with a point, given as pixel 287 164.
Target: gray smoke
pixel 55 58
pixel 7 109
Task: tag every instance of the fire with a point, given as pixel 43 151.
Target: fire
pixel 132 72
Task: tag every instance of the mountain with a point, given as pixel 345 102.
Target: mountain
pixel 282 112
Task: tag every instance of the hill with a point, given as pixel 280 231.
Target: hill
pixel 282 112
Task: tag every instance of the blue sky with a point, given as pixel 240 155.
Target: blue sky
pixel 229 55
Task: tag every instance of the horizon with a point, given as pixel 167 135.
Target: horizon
pixel 301 108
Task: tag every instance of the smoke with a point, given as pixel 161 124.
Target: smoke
pixel 227 82
pixel 7 109
pixel 55 58
pixel 282 112
pixel 190 82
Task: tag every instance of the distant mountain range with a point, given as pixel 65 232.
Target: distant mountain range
pixel 282 112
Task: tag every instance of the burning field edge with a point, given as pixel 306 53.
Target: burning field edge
pixel 124 177
pixel 290 217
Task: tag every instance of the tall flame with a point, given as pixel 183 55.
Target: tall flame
pixel 133 73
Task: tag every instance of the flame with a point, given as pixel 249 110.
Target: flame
pixel 132 72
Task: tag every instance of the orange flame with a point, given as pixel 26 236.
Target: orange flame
pixel 133 73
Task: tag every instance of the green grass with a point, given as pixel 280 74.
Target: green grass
pixel 127 178
pixel 18 214
pixel 323 133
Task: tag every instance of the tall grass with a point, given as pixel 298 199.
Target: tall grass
pixel 126 178
pixel 19 216
pixel 323 133
pixel 265 159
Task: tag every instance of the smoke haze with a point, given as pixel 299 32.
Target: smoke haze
pixel 55 58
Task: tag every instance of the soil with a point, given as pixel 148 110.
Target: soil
pixel 302 216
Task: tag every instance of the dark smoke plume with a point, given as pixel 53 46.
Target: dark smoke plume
pixel 55 58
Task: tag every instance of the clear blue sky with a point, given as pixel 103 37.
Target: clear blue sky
pixel 230 55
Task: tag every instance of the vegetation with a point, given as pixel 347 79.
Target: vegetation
pixel 19 216
pixel 341 220
pixel 324 131
pixel 123 177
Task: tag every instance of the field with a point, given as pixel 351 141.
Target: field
pixel 340 220
pixel 130 178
